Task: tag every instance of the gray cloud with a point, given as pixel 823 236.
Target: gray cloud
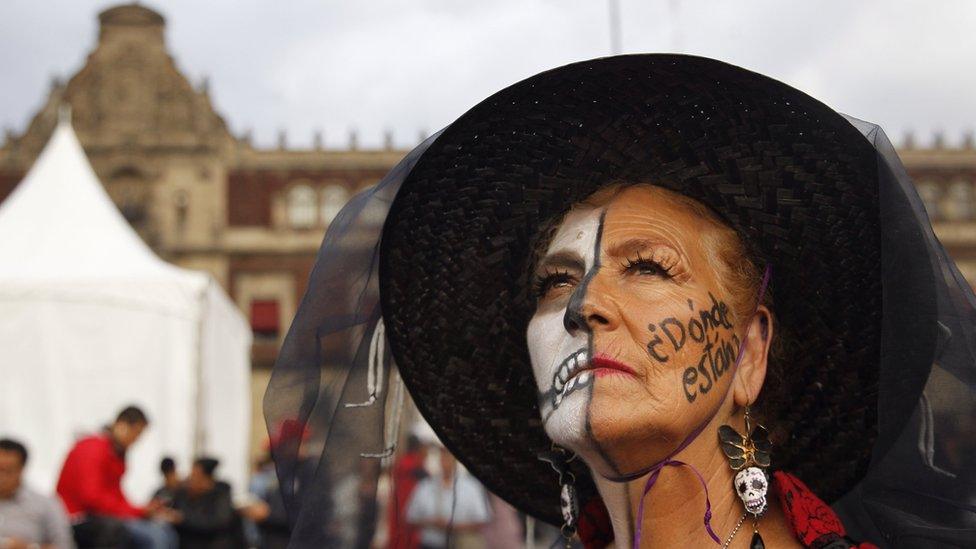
pixel 408 65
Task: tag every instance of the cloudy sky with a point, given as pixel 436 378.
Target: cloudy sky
pixel 415 65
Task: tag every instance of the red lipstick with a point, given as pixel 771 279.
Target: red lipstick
pixel 605 366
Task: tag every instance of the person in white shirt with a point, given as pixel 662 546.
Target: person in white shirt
pixel 28 519
pixel 447 505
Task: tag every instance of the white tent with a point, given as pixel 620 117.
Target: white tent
pixel 92 320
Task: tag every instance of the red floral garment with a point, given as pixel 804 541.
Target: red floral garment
pixel 594 528
pixel 813 522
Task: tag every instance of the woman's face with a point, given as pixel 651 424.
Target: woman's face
pixel 632 342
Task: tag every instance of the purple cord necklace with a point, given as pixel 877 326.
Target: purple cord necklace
pixel 655 470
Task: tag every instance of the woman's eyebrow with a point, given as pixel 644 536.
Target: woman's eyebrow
pixel 633 245
pixel 563 258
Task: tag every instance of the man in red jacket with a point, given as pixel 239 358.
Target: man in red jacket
pixel 91 488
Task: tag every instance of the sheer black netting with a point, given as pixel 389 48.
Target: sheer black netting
pixel 333 404
pixel 920 489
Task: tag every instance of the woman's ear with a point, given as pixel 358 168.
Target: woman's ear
pixel 752 370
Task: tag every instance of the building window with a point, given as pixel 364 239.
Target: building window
pixel 181 200
pixel 265 318
pixel 930 193
pixel 333 198
pixel 301 207
pixel 957 205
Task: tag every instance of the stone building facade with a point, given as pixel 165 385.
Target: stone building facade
pixel 200 196
pixel 945 178
pixel 254 218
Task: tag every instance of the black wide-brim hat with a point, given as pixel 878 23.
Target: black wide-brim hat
pixel 793 177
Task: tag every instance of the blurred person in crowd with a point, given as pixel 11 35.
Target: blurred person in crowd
pixel 287 436
pixel 267 513
pixel 449 508
pixel 90 486
pixel 27 518
pixel 505 528
pixel 171 481
pixel 367 506
pixel 408 470
pixel 204 513
pixel 544 534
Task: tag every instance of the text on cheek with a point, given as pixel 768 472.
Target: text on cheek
pixel 698 327
pixel 717 358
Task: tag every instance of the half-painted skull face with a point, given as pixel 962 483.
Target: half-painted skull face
pixel 632 342
pixel 751 485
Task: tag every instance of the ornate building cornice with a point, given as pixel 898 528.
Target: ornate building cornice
pixel 129 96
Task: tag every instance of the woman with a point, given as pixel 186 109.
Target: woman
pixel 584 265
pixel 644 298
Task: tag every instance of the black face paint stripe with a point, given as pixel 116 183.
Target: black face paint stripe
pixel 574 316
pixel 575 308
pixel 574 313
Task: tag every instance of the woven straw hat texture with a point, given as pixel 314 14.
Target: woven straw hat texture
pixel 795 179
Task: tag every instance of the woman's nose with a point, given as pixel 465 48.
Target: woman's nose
pixel 589 310
pixel 573 320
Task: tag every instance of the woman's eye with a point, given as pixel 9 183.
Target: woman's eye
pixel 643 266
pixel 554 281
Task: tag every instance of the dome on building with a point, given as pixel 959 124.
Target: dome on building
pixel 130 15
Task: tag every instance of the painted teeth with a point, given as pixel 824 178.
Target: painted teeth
pixel 563 382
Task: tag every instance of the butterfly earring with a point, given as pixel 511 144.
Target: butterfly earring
pixel 749 455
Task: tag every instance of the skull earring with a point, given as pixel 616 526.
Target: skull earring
pixel 559 459
pixel 749 455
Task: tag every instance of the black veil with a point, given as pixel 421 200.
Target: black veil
pixel 334 401
pixel 920 489
pixel 333 405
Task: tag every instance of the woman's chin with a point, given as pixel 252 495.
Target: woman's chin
pixel 566 425
pixel 615 426
pixel 625 436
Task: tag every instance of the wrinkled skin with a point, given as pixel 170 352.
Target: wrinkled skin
pixel 611 276
pixel 633 347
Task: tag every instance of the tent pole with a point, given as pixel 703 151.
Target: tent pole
pixel 199 428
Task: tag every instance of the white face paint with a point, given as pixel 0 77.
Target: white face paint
pixel 555 353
